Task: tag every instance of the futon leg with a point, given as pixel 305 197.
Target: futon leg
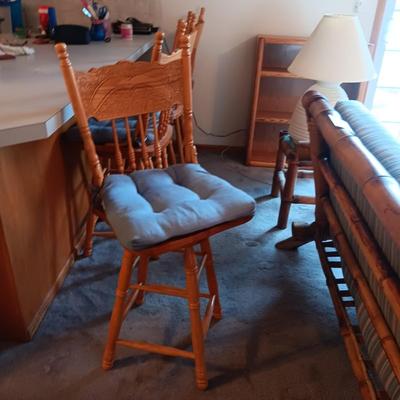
pixel 287 194
pixel 211 278
pixel 194 308
pixel 301 235
pixel 118 310
pixel 279 166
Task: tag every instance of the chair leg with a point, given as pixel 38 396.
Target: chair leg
pixel 211 278
pixel 279 165
pixel 194 308
pixel 178 133
pixel 288 190
pixel 141 277
pixel 118 310
pixel 90 225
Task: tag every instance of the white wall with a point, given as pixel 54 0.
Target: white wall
pixel 225 64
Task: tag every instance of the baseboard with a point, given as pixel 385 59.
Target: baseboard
pixel 37 319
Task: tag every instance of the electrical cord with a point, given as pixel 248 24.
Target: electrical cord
pixel 222 135
pixel 203 131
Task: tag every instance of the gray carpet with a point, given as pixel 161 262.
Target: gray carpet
pixel 279 338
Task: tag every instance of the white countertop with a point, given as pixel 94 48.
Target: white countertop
pixel 33 99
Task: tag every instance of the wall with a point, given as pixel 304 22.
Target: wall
pixel 225 64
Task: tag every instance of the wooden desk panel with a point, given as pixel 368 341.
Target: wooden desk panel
pixel 43 205
pixel 43 196
pixel 34 102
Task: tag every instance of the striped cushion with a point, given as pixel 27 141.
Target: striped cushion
pixel 384 304
pixel 388 246
pixel 373 345
pixel 381 157
pixel 377 139
pixel 386 150
pixel 373 135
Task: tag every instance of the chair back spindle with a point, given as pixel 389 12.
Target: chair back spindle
pixel 157 47
pixel 142 134
pixel 117 149
pixel 131 150
pixel 191 22
pixel 157 148
pixel 188 143
pixel 80 113
pixel 180 32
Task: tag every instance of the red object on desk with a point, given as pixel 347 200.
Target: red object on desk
pixel 6 57
pixel 43 18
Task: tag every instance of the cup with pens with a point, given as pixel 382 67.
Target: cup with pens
pixel 99 15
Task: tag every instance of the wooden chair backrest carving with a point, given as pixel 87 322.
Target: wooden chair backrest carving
pixel 132 89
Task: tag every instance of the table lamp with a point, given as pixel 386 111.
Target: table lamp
pixel 336 52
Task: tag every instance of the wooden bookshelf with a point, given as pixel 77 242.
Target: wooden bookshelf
pixel 276 92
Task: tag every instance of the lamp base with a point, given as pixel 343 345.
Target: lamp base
pixel 298 127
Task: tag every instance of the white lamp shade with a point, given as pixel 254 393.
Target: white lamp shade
pixel 336 51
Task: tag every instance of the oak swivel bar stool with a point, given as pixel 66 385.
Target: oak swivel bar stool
pixel 158 209
pixel 120 149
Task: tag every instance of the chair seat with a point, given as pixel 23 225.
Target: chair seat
pixel 151 206
pixel 102 131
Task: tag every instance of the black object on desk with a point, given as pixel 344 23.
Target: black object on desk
pixel 139 27
pixel 71 34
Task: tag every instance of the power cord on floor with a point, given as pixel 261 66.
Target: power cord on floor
pixel 203 131
pixel 222 154
pixel 223 135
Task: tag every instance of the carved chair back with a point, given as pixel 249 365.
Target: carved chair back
pixel 128 90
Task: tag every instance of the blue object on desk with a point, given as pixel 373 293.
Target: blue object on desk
pixel 97 31
pixel 52 20
pixel 15 11
pixel 102 12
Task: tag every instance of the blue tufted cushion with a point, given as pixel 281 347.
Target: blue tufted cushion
pixel 151 206
pixel 102 131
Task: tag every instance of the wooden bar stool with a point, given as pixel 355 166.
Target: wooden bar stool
pixel 117 155
pixel 157 208
pixel 297 157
